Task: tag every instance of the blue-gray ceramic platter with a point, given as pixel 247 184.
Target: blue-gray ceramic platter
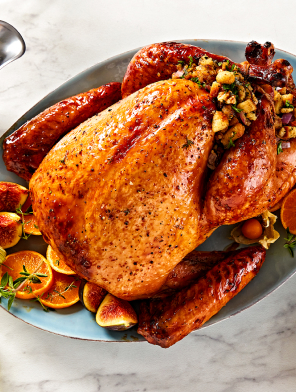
pixel 76 322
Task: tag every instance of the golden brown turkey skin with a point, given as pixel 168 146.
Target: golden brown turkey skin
pixel 164 322
pixel 119 197
pixel 158 62
pixel 242 185
pixel 285 176
pixel 24 150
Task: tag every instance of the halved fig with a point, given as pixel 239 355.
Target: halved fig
pixel 12 196
pixel 11 229
pixel 116 314
pixel 91 295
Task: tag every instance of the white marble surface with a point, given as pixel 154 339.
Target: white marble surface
pixel 253 351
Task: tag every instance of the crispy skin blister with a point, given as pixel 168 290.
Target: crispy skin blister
pixel 164 322
pixel 24 150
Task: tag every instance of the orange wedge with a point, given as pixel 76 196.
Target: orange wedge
pixel 14 264
pixel 288 212
pixel 30 225
pixel 57 263
pixel 63 293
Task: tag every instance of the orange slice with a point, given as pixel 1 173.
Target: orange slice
pixel 13 265
pixel 57 263
pixel 63 293
pixel 288 212
pixel 30 225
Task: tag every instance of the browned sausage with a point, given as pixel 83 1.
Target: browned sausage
pixel 158 62
pixel 166 321
pixel 195 265
pixel 25 149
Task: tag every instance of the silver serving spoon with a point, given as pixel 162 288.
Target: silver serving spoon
pixel 12 45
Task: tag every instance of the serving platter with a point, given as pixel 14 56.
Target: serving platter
pixel 77 322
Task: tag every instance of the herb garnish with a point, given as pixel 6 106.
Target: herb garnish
pixel 188 143
pixel 190 61
pixel 291 242
pixel 231 144
pixel 181 62
pixel 38 299
pixel 20 212
pixel 236 109
pixel 289 105
pixel 279 148
pixel 29 277
pixel 8 287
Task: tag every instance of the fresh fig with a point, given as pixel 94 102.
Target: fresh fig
pixel 91 295
pixel 11 229
pixel 12 196
pixel 116 314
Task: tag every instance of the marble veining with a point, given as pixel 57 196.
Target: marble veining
pixel 253 351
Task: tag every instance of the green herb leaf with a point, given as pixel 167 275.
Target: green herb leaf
pixel 290 243
pixel 279 148
pixel 289 105
pixel 4 280
pixel 188 143
pixel 231 144
pixel 190 61
pixel 236 109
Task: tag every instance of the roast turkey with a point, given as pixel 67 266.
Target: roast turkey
pixel 125 196
pixel 120 197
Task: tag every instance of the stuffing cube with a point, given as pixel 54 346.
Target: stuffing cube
pixel 278 102
pixel 220 122
pixel 241 93
pixel 283 90
pixel 227 109
pixel 215 89
pixel 206 61
pixel 287 98
pixel 278 123
pixel 227 97
pixel 233 133
pixel 290 132
pixel 251 116
pixel 247 106
pixel 225 77
pixel 233 121
pixel 287 110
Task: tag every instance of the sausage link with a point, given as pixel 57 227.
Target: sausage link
pixel 166 321
pixel 25 149
pixel 194 266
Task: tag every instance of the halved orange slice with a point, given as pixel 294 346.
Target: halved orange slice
pixel 33 262
pixel 288 212
pixel 63 293
pixel 57 263
pixel 30 225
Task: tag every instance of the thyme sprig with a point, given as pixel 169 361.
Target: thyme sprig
pixel 9 287
pixel 291 242
pixel 188 143
pixel 22 214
